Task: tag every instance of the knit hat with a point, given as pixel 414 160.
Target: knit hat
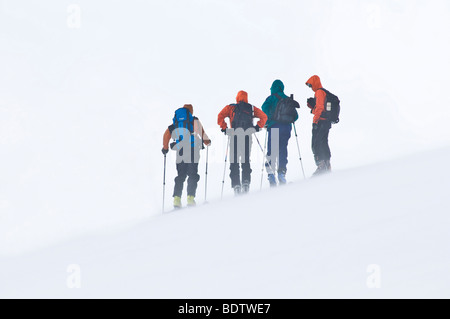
pixel 189 107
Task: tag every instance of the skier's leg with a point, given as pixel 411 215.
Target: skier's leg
pixel 269 150
pixel 235 175
pixel 234 165
pixel 314 144
pixel 323 150
pixel 246 166
pixel 192 172
pixel 285 135
pixel 271 164
pixel 179 183
pixel 179 180
pixel 321 146
pixel 327 151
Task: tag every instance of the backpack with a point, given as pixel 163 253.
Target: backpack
pixel 243 116
pixel 285 111
pixel 332 107
pixel 183 119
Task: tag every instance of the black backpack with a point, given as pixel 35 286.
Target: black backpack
pixel 332 107
pixel 243 116
pixel 285 111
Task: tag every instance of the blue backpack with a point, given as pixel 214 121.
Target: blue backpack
pixel 182 121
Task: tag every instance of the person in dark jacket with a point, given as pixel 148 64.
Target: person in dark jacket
pixel 321 127
pixel 278 162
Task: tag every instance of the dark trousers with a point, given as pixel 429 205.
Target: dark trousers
pixel 283 141
pixel 320 147
pixel 189 170
pixel 241 159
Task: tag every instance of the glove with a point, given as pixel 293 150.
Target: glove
pixel 257 128
pixel 164 151
pixel 311 102
pixel 224 131
pixel 207 142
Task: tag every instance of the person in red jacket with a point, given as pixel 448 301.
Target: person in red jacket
pixel 321 126
pixel 241 116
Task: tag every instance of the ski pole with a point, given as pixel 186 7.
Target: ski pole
pixel 298 147
pixel 225 168
pixel 267 159
pixel 206 172
pixel 164 183
pixel 262 168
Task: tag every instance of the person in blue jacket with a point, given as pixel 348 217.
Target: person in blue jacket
pixel 278 162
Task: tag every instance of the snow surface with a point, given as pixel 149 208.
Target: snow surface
pixel 83 110
pixel 311 239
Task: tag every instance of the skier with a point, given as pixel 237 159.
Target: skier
pixel 321 127
pixel 189 136
pixel 278 161
pixel 241 116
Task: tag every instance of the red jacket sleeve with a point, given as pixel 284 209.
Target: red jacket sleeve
pixel 320 105
pixel 226 112
pixel 258 113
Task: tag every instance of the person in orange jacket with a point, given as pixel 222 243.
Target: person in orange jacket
pixel 187 166
pixel 241 116
pixel 321 126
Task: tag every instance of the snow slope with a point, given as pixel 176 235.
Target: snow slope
pixel 314 238
pixel 83 110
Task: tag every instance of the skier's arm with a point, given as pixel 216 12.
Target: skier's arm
pixel 320 105
pixel 261 115
pixel 198 129
pixel 166 139
pixel 222 116
pixel 267 106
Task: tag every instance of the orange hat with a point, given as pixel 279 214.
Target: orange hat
pixel 189 107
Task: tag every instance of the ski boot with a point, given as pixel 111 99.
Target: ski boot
pixel 191 201
pixel 328 165
pixel 245 187
pixel 237 190
pixel 282 176
pixel 321 168
pixel 316 160
pixel 177 202
pixel 272 180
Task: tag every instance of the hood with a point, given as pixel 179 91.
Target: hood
pixel 190 108
pixel 277 87
pixel 315 82
pixel 242 96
